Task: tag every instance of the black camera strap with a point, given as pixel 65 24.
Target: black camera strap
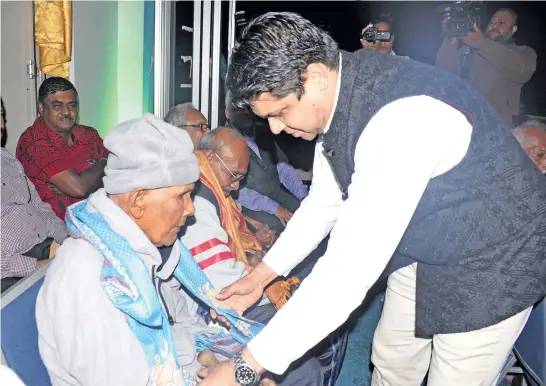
pixel 466 61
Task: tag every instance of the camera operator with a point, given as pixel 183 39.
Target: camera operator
pixel 383 24
pixel 498 68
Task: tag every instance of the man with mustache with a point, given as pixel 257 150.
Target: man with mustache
pixel 64 160
pixel 498 67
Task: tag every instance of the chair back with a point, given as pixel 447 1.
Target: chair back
pixel 19 330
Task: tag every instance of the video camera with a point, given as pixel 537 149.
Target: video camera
pixel 462 17
pixel 371 35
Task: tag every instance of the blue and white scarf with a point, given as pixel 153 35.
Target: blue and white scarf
pixel 128 283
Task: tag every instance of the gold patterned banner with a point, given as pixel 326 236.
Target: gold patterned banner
pixel 53 21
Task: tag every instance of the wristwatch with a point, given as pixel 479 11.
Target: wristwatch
pixel 245 375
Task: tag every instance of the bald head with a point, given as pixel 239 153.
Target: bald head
pixel 532 138
pixel 227 153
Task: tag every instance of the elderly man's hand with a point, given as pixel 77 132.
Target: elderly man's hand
pixel 256 258
pixel 283 214
pixel 266 236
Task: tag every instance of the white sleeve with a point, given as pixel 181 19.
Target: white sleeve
pixel 404 145
pixel 313 220
pixel 83 338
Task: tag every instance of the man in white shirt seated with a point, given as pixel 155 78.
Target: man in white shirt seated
pixel 110 311
pixel 416 178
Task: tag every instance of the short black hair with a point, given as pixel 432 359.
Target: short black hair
pixel 387 20
pixel 53 85
pixel 273 54
pixel 511 12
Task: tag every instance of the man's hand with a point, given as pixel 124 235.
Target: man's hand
pixel 240 295
pixel 474 39
pixel 247 291
pixel 449 39
pixel 364 43
pixel 256 259
pixel 283 214
pixel 266 236
pixel 223 374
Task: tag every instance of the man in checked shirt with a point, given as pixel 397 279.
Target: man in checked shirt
pixel 29 228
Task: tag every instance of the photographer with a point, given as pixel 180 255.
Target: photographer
pixel 383 24
pixel 498 68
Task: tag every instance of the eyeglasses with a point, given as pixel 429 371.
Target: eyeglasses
pixel 234 178
pixel 204 127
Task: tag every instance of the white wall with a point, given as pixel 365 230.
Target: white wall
pixel 18 90
pixel 108 61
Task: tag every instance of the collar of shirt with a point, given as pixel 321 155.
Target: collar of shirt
pixel 48 132
pixel 338 87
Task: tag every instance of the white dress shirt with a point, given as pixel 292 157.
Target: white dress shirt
pixel 404 145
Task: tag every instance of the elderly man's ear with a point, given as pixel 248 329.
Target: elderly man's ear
pixel 136 203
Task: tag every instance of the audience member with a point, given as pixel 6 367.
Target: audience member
pixel 101 320
pixel 64 160
pixel 498 67
pixel 223 161
pixel 383 24
pixel 531 135
pixel 187 117
pixel 30 230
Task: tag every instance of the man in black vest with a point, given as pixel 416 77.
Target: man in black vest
pixel 417 178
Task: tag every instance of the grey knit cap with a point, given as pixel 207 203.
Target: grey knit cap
pixel 148 153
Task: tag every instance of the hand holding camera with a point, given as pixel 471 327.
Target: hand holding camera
pixel 379 39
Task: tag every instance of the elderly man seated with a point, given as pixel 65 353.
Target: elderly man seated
pixel 219 239
pixel 30 229
pixel 532 137
pixel 110 311
pixel 187 117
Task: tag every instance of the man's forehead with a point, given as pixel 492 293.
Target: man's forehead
pixel 266 104
pixel 504 16
pixel 532 135
pixel 63 96
pixel 194 115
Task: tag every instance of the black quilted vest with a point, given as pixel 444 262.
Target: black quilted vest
pixel 262 175
pixel 479 231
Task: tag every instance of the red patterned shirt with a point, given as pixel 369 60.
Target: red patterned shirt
pixel 44 153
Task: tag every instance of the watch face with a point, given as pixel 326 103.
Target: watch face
pixel 245 375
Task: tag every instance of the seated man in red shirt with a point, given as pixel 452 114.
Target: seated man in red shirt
pixel 64 160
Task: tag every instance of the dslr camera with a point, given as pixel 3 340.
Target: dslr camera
pixel 371 35
pixel 462 17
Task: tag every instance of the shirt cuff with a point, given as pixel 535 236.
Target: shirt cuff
pixel 261 356
pixel 269 259
pixel 271 207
